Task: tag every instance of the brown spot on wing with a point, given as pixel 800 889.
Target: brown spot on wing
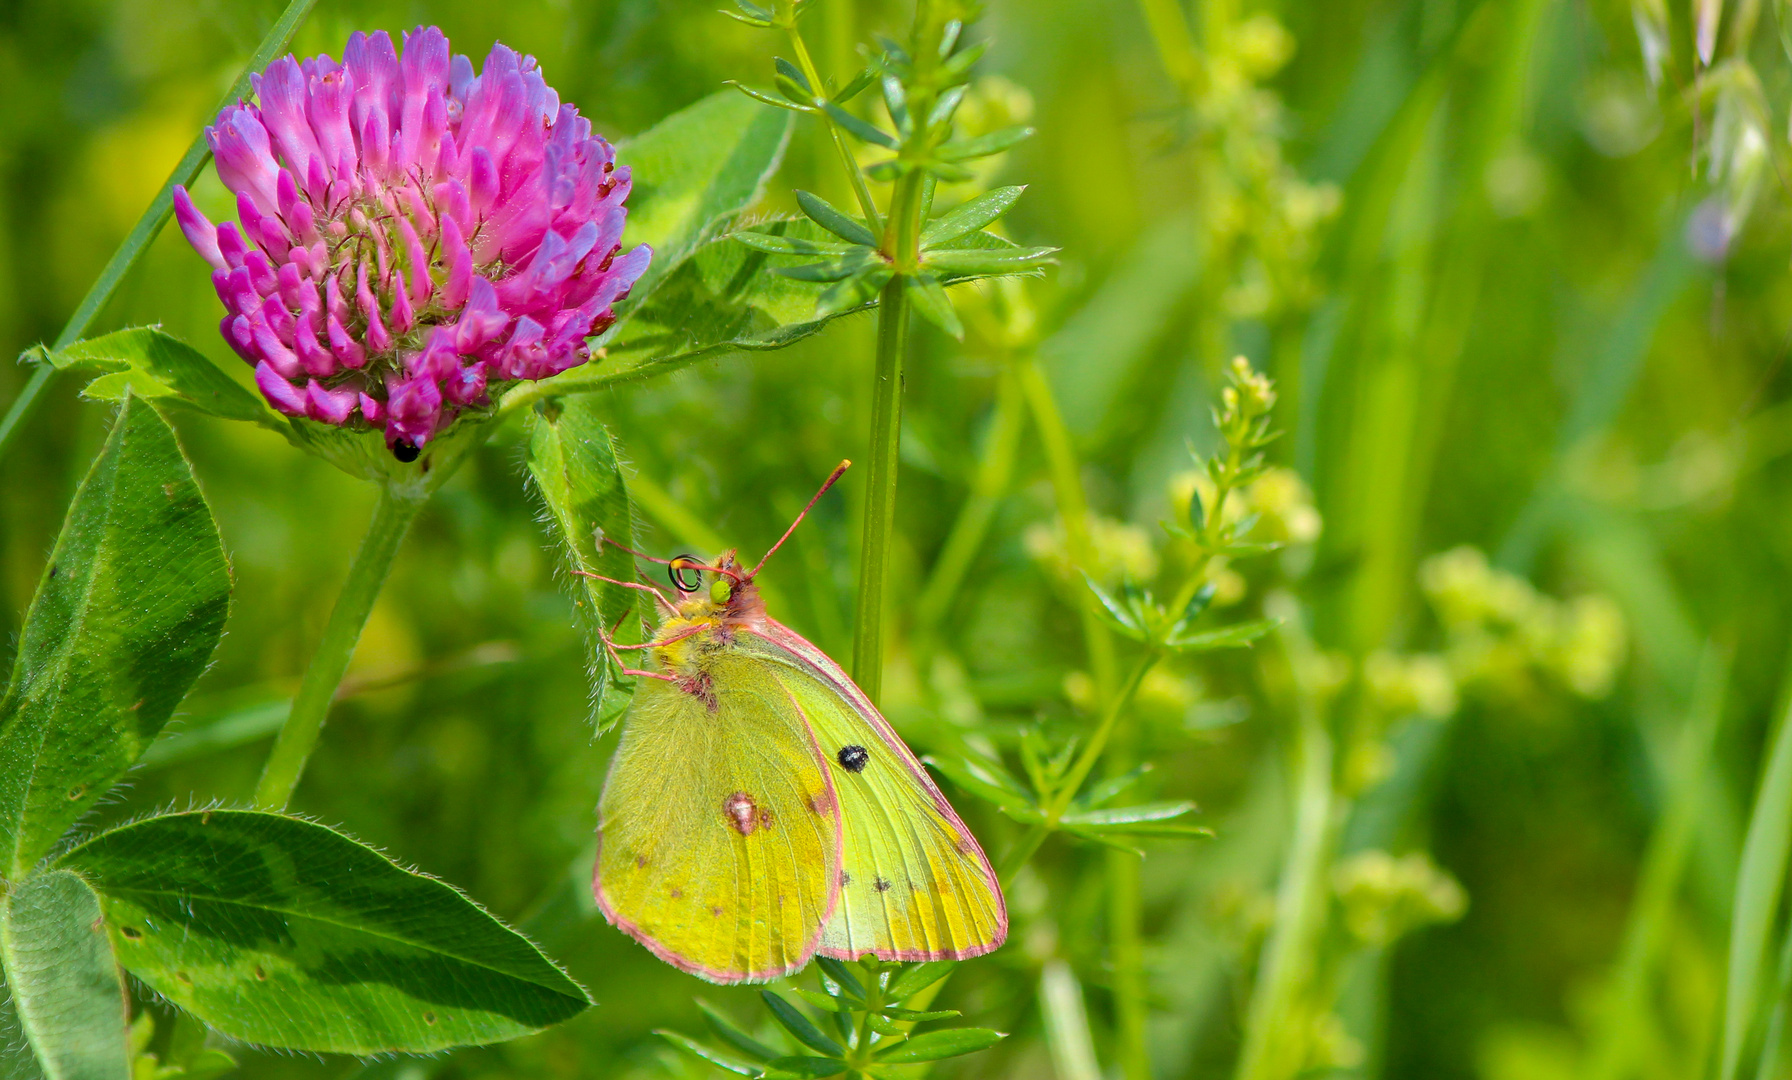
pixel 743 813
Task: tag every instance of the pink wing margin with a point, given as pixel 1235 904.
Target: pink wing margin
pixel 652 944
pixel 822 667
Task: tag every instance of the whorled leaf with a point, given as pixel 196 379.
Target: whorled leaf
pixel 573 462
pixel 65 985
pixel 285 933
pixel 130 607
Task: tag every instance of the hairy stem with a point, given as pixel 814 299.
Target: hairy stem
pixel 392 517
pixel 160 209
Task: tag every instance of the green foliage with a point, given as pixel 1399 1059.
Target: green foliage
pixel 131 605
pixel 863 1003
pixel 65 986
pixel 285 933
pixel 573 462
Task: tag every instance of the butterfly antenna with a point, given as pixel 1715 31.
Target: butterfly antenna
pixel 825 485
pixel 602 539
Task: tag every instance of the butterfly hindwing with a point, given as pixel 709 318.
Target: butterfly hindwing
pixel 914 883
pixel 719 842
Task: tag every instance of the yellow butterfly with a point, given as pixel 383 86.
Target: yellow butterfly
pixel 759 809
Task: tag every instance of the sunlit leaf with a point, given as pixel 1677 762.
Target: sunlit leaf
pixel 64 983
pixel 284 933
pixel 131 604
pixel 799 1026
pixel 937 1045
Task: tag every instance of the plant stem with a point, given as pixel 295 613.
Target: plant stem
pixel 1073 507
pixel 860 190
pixel 155 216
pixel 392 517
pixel 880 497
pixel 1300 909
pixel 1066 789
pixel 1128 957
pixel 994 472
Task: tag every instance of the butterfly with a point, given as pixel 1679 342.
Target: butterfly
pixel 759 809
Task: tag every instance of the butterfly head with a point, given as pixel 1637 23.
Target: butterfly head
pixel 722 591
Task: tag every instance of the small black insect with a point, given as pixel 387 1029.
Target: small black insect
pixel 853 758
pixel 405 450
pixel 881 884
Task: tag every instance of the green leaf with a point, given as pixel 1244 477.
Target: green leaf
pixel 724 300
pixel 804 1068
pixel 726 1062
pixel 694 173
pixel 64 983
pixel 761 96
pixel 835 220
pixel 918 977
pixel 1147 821
pixel 1760 882
pixel 932 304
pixel 1013 260
pixel 572 459
pixel 773 244
pixel 841 974
pixel 733 1036
pixel 152 364
pixel 851 265
pixel 1112 787
pixel 824 1002
pixel 1235 636
pixel 799 1025
pixel 1119 615
pixel 855 87
pixel 127 614
pixel 282 932
pixel 911 1016
pixel 970 216
pixel 859 129
pixel 984 145
pixel 935 1045
pixel 985 779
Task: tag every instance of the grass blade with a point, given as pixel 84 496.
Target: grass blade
pixel 1760 879
pixel 149 226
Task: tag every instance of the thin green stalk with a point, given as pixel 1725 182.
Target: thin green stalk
pixel 392 517
pixel 1073 507
pixel 994 472
pixel 1067 788
pixel 1300 910
pixel 880 493
pixel 1126 952
pixel 160 209
pixel 1626 1020
pixel 861 191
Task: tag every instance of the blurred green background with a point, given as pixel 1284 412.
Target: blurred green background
pixel 1458 234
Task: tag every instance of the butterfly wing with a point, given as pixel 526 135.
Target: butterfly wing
pixel 914 883
pixel 719 835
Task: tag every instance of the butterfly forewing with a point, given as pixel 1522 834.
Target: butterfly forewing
pixel 914 883
pixel 719 835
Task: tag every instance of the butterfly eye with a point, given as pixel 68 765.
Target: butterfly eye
pixel 720 591
pixel 678 568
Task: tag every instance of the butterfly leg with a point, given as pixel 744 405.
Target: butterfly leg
pixel 641 586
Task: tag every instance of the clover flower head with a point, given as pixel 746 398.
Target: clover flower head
pixel 411 234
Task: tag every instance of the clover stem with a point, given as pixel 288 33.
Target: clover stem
pixel 392 517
